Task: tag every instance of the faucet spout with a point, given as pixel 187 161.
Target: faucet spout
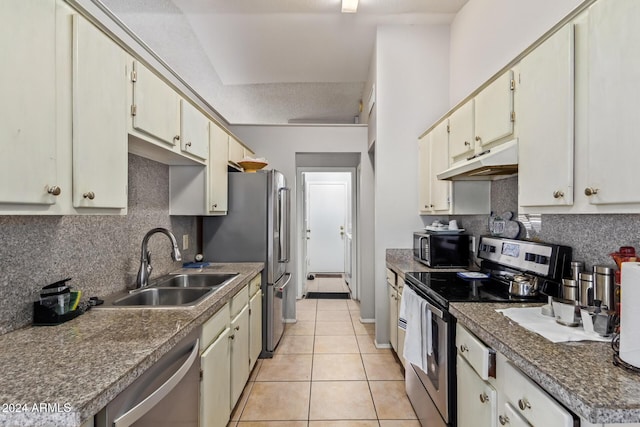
pixel 145 269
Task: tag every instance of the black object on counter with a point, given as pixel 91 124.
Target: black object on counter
pixel 45 316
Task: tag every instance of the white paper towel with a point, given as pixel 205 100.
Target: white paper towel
pixel 630 313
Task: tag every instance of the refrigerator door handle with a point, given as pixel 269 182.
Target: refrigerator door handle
pixel 286 283
pixel 284 224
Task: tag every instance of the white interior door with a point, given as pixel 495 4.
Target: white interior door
pixel 327 221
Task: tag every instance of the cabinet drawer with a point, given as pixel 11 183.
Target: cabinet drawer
pixel 531 402
pixel 391 277
pixel 509 417
pixel 239 301
pixel 214 326
pixel 254 284
pixel 481 358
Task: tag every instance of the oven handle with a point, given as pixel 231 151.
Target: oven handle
pixel 435 310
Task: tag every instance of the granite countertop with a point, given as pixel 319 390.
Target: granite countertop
pixel 78 367
pixel 401 261
pixel 580 375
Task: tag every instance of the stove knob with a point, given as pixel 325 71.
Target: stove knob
pixel 492 249
pixel 529 256
pixel 541 259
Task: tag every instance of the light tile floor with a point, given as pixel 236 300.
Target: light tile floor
pixel 327 284
pixel 326 372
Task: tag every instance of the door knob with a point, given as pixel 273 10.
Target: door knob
pixel 54 190
pixel 504 420
pixel 558 194
pixel 524 404
pixel 590 191
pixel 484 398
pixel 89 195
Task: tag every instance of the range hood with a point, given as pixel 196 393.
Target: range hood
pixel 494 162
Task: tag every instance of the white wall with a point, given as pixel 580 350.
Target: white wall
pixel 412 75
pixel 279 145
pixel 487 34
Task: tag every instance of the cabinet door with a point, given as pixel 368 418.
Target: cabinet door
pixel 494 110
pixel 255 333
pixel 613 93
pixel 236 150
pixel 401 332
pixel 239 354
pixel 424 174
pixel 479 398
pixel 215 402
pixel 28 110
pixel 218 160
pixel 545 122
pixel 393 316
pixel 99 119
pixel 440 190
pixel 156 106
pixel 461 134
pixel 194 131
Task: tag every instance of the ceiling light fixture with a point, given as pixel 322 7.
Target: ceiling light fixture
pixel 349 6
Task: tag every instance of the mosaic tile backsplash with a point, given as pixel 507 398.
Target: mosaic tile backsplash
pixel 100 253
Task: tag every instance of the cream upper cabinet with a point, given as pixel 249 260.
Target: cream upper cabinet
pixel 440 190
pixel 155 106
pixel 494 113
pixel 28 164
pixel 194 131
pixel 545 105
pixel 461 132
pixel 99 119
pixel 236 150
pixel 613 93
pixel 424 174
pixel 218 178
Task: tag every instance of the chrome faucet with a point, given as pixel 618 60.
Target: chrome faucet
pixel 144 272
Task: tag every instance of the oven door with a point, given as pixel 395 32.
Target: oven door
pixel 436 379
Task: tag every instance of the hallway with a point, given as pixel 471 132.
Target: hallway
pixel 327 372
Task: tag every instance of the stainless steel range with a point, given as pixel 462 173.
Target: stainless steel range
pixel 505 268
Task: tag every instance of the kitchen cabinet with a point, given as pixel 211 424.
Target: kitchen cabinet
pixel 218 179
pixel 215 385
pixel 255 321
pixel 437 197
pixel 546 96
pixel 612 114
pixel 99 99
pixel 477 399
pixel 401 332
pixel 194 131
pixel 493 111
pixel 155 106
pixel 461 132
pixel 239 309
pixel 236 151
pixel 392 293
pixel 508 416
pixel 29 161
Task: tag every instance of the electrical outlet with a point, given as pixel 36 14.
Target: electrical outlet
pixel 472 244
pixel 185 242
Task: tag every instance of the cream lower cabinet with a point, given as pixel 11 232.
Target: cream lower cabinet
pixel 477 399
pixel 239 354
pixel 28 164
pixel 401 332
pixel 392 294
pixel 255 320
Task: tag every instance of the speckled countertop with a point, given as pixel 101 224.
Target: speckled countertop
pixel 401 261
pixel 580 375
pixel 81 365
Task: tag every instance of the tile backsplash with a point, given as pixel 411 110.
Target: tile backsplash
pixel 100 253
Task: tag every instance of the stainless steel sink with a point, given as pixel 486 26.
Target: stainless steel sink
pixel 173 297
pixel 194 280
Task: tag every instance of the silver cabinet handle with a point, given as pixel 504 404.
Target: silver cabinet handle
pixel 463 348
pixel 232 336
pixel 237 328
pixel 89 195
pixel 188 144
pixel 504 420
pixel 558 194
pixel 478 138
pixel 590 191
pixel 524 404
pixel 484 398
pixel 135 413
pixel 467 143
pixel 54 190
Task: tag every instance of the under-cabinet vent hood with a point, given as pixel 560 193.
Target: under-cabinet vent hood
pixel 497 161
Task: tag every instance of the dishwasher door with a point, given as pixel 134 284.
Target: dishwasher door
pixel 167 394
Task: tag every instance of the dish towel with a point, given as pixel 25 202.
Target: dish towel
pixel 413 311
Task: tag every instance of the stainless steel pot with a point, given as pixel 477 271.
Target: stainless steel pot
pixel 523 285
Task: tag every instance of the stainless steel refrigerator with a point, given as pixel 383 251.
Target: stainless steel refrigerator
pixel 256 229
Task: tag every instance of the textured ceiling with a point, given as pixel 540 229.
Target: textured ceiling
pixel 274 61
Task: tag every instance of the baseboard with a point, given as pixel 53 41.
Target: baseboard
pixel 290 320
pixel 378 345
pixel 367 320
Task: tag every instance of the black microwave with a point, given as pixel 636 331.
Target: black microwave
pixel 441 250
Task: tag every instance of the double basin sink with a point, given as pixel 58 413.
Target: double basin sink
pixel 174 290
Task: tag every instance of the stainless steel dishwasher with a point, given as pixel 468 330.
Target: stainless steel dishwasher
pixel 167 394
